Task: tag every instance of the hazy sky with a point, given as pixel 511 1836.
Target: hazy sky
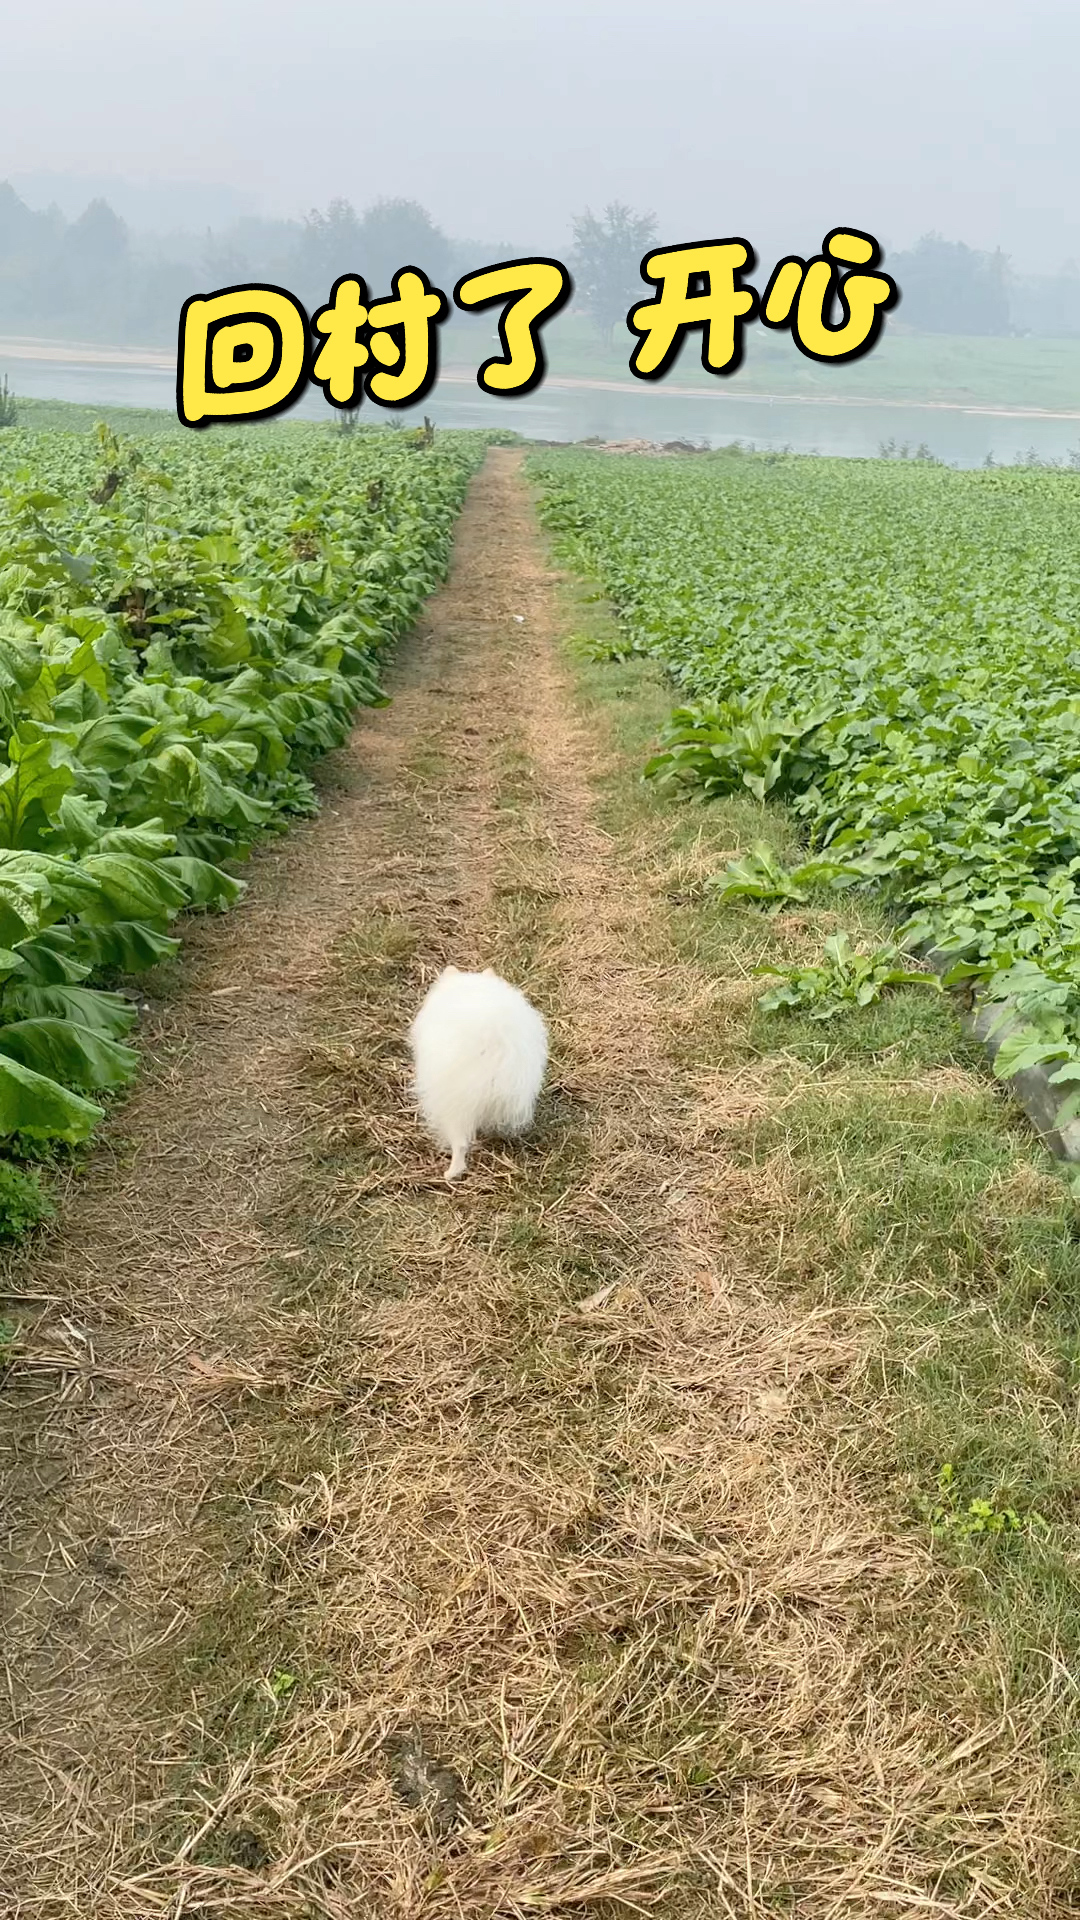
pixel 775 120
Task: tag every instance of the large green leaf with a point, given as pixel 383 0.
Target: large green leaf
pixel 50 958
pixel 78 821
pixel 147 841
pixel 125 946
pixel 32 786
pixel 69 1052
pixel 111 741
pixel 131 889
pixel 205 885
pixel 36 888
pixel 33 1104
pixel 107 1013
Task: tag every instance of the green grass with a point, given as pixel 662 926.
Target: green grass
pixel 900 1183
pixel 24 1203
pixel 48 415
pixel 903 366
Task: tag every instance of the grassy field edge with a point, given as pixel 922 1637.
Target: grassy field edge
pixel 902 1182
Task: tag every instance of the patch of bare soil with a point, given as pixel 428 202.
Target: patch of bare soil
pixel 371 1548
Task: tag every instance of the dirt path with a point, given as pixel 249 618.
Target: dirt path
pixel 371 1549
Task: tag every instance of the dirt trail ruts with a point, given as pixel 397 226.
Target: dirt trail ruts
pixel 571 1511
pixel 153 1290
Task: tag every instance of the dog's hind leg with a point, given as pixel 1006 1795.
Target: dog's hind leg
pixel 457 1161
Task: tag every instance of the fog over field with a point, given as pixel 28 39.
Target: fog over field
pixel 149 151
pixel 775 121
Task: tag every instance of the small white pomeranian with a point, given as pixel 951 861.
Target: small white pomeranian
pixel 479 1053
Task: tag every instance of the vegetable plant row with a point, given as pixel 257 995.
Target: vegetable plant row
pixel 185 627
pixel 893 650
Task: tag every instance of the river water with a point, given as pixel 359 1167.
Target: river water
pixel 571 410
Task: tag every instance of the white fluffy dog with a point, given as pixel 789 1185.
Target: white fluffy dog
pixel 479 1053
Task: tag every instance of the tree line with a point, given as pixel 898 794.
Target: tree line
pixel 946 287
pixel 92 279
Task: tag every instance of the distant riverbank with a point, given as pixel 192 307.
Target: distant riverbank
pixel 1022 401
pixel 19 349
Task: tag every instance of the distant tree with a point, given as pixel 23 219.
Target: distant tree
pixel 224 264
pixel 947 287
pixel 329 246
pixel 89 279
pixel 388 235
pixel 23 235
pixel 89 276
pixel 98 240
pixel 401 233
pixel 607 255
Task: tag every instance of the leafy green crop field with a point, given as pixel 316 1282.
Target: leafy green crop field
pixel 186 624
pixel 892 650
